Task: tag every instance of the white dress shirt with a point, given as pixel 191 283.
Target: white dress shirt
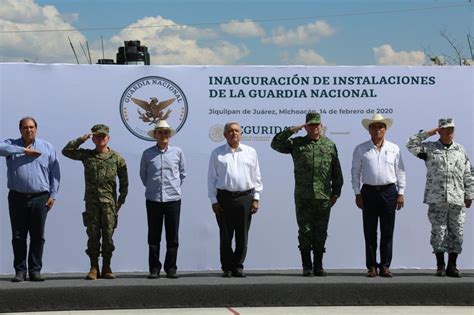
pixel 373 167
pixel 233 170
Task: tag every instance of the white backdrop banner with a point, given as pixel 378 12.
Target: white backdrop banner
pixel 67 100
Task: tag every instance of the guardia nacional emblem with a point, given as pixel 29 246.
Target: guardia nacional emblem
pixel 149 100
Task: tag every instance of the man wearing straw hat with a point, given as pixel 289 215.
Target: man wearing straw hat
pixel 448 189
pixel 102 166
pixel 378 181
pixel 162 171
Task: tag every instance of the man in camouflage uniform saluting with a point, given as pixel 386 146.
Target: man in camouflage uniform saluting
pixel 101 166
pixel 318 183
pixel 448 189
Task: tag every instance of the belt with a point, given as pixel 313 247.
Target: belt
pixel 378 188
pixel 29 195
pixel 235 193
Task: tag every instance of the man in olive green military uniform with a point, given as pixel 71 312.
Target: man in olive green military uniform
pixel 318 183
pixel 101 166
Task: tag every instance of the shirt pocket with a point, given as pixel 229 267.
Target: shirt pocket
pixel 459 162
pixel 390 157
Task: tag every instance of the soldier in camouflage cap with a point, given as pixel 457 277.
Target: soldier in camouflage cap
pixel 100 129
pixel 101 167
pixel 448 189
pixel 318 184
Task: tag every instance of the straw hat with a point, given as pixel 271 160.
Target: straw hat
pixel 162 124
pixel 377 118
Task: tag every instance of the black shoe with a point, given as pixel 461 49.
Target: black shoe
pixel 452 271
pixel 36 276
pixel 154 275
pixel 238 273
pixel 172 274
pixel 441 271
pixel 320 273
pixel 307 272
pixel 20 276
pixel 227 274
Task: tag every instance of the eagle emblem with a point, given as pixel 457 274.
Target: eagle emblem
pixel 153 110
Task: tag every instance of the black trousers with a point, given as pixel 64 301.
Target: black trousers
pixel 379 205
pixel 156 213
pixel 234 220
pixel 28 216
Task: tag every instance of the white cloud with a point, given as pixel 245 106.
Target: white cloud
pixel 308 57
pixel 20 11
pixel 303 57
pixel 385 55
pixel 167 42
pixel 24 15
pixel 245 28
pixel 303 34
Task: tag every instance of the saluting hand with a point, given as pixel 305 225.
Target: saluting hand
pixel 86 136
pixel 432 131
pixel 297 128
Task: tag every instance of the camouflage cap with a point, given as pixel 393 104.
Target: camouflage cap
pixel 100 129
pixel 445 122
pixel 313 118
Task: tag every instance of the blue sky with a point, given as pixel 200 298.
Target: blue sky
pixel 313 32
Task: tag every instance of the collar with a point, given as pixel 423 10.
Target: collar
pixel 230 149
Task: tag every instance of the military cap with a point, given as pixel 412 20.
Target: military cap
pixel 313 118
pixel 100 129
pixel 445 122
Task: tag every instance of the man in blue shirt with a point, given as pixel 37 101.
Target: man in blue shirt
pixel 162 171
pixel 33 180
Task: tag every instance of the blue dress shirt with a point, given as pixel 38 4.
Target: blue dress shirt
pixel 28 174
pixel 162 172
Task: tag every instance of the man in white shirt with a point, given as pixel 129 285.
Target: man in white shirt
pixel 234 186
pixel 378 166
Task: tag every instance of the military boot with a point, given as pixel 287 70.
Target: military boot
pixel 106 270
pixel 451 270
pixel 441 266
pixel 94 271
pixel 307 263
pixel 318 265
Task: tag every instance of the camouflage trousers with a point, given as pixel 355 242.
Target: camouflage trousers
pixel 447 227
pixel 312 216
pixel 100 219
